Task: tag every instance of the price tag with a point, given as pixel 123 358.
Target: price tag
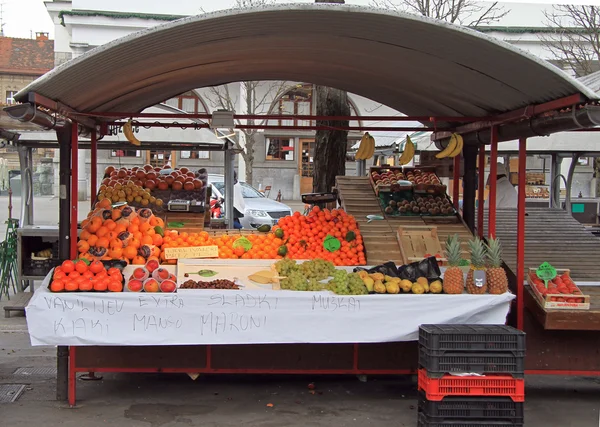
pixel 192 252
pixel 331 243
pixel 479 278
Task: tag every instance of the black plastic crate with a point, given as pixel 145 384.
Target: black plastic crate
pixel 438 339
pixel 38 267
pixel 470 407
pixel 479 363
pixel 424 421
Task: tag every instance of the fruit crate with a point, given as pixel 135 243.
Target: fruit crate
pixel 466 407
pixel 559 301
pixel 439 339
pixel 424 421
pixel 381 188
pixel 417 240
pixel 437 389
pixel 479 363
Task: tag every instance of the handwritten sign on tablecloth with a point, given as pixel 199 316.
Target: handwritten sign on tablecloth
pixel 247 316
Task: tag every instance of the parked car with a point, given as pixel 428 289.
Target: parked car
pixel 259 209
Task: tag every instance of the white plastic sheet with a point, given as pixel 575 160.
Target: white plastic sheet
pixel 247 317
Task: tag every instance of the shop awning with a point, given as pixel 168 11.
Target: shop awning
pixel 415 65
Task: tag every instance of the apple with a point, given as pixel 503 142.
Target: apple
pixel 140 273
pixel 151 285
pixel 160 274
pixel 152 265
pixel 168 286
pixel 135 285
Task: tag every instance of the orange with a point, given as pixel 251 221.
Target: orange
pixel 135 243
pixel 81 267
pixel 71 286
pixel 120 228
pixel 96 267
pixel 92 240
pixel 146 240
pixel 157 240
pixel 115 253
pixel 138 260
pixel 115 286
pixel 57 285
pixel 116 214
pixel 130 252
pixel 102 231
pixel 145 227
pixel 104 204
pixel 83 246
pixel 68 266
pixel 85 222
pixel 84 235
pixel 103 242
pixel 94 225
pixel 116 244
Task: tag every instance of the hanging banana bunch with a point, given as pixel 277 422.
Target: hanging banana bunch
pixel 453 149
pixel 366 149
pixel 128 132
pixel 408 153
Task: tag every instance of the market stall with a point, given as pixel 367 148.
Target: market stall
pixel 288 342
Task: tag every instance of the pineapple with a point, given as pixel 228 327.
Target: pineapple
pixel 454 279
pixel 496 276
pixel 478 258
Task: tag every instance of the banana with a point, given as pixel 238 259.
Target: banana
pixel 449 149
pixel 408 153
pixel 371 145
pixel 128 132
pixel 459 146
pixel 363 147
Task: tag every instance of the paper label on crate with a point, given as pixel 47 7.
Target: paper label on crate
pixel 192 252
pixel 479 278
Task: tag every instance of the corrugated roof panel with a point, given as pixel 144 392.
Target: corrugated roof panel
pixel 410 63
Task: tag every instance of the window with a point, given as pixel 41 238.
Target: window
pixel 280 149
pixel 10 97
pixel 188 102
pixel 201 155
pixel 126 153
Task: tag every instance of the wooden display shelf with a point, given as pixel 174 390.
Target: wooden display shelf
pixel 573 320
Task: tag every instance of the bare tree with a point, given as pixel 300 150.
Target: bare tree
pixel 259 99
pixel 471 13
pixel 575 41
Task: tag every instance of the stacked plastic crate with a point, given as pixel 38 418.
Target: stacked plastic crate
pixel 471 376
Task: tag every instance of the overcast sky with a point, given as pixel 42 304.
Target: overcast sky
pixel 23 18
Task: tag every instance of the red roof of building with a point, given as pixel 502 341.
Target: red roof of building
pixel 26 56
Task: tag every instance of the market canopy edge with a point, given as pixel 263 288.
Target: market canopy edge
pixel 416 65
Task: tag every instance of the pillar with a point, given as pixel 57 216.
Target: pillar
pixel 469 183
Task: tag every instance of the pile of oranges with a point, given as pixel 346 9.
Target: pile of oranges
pixel 120 234
pixel 305 235
pixel 264 246
pixel 78 275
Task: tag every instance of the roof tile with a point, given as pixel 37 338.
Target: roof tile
pixel 26 56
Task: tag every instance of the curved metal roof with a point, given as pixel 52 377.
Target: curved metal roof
pixel 413 64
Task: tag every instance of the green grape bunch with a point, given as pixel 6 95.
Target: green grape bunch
pixel 286 266
pixel 317 269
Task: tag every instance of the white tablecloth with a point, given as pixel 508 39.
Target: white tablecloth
pixel 247 317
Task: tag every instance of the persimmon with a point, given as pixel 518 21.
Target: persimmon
pixel 96 267
pixel 102 231
pixel 130 252
pixel 86 285
pixel 92 240
pixel 100 286
pixel 115 286
pixel 94 224
pixel 57 285
pixel 71 286
pixel 138 260
pixel 81 267
pixel 68 266
pixel 83 246
pixel 103 242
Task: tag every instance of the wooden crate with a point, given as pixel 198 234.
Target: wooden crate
pixel 193 222
pixel 417 240
pixel 546 301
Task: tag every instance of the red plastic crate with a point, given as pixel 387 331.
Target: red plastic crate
pixel 489 385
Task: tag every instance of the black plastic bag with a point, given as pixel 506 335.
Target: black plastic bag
pixel 428 268
pixel 387 269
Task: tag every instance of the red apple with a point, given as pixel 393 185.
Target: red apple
pixel 152 265
pixel 151 285
pixel 168 286
pixel 135 285
pixel 140 273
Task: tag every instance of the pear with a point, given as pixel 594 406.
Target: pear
pixel 368 283
pixel 377 276
pixel 436 287
pixel 392 288
pixel 418 288
pixel 363 274
pixel 379 287
pixel 406 285
pixel 422 280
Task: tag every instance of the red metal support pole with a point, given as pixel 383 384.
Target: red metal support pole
pixel 72 376
pixel 480 190
pixel 493 173
pixel 455 182
pixel 74 189
pixel 521 232
pixel 94 169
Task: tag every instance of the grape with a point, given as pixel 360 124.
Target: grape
pixel 356 285
pixel 318 269
pixel 286 266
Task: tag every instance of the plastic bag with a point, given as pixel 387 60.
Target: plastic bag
pixel 426 268
pixel 387 269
